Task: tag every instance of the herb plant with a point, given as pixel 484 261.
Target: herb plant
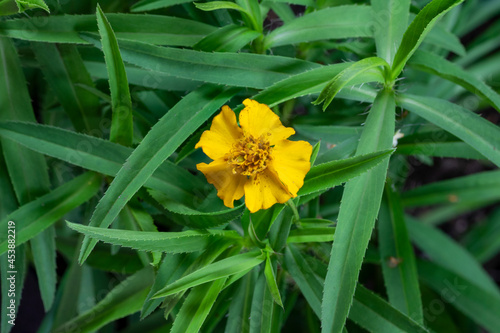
pixel 143 203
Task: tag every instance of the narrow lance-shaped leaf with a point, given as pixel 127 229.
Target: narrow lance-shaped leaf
pixel 417 31
pixel 342 79
pixel 214 5
pixel 358 211
pixel 483 240
pixel 147 5
pixel 304 235
pixel 437 65
pixel 451 255
pixel 263 311
pixel 330 174
pixel 482 186
pixel 27 169
pixel 10 7
pixel 398 259
pixel 328 23
pixel 101 156
pixel 368 309
pixel 217 270
pixel 64 70
pixel 478 132
pixel 121 104
pixel 144 28
pixel 170 242
pixel 230 38
pixel 311 82
pixel 41 213
pixel 171 268
pixel 390 18
pixel 271 280
pixel 241 304
pixel 463 294
pixel 161 141
pixel 123 300
pixel 234 69
pixel 196 307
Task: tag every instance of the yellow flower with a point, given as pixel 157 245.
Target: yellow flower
pixel 255 160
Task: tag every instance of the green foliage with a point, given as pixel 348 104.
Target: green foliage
pixel 101 109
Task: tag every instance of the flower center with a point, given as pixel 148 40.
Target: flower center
pixel 249 156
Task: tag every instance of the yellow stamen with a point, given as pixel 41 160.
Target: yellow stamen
pixel 249 156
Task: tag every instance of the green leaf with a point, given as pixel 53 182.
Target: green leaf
pixel 230 38
pixel 309 283
pixel 417 31
pixel 327 175
pixel 271 280
pixel 160 142
pixel 142 77
pixel 483 240
pixel 307 3
pixel 9 7
pixel 436 143
pixel 126 298
pixel 219 250
pixel 64 71
pixel 358 211
pixel 336 22
pixel 217 270
pixel 343 79
pixel 445 40
pixel 330 134
pixel 310 82
pixel 234 69
pixel 263 311
pixel 145 28
pixel 70 287
pixel 36 216
pixel 125 261
pixel 391 19
pixel 283 10
pixel 376 315
pixel 121 104
pixel 311 235
pixel 196 307
pixel 436 65
pixel 170 242
pixel 171 268
pixel 27 169
pixel 368 310
pixel 101 156
pixel 43 248
pixel 264 219
pixel 450 255
pixel 147 5
pixel 214 5
pixel 398 259
pixel 210 213
pixel 241 304
pixel 473 301
pixel 478 132
pixel 481 186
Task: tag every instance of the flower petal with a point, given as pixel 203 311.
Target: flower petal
pixel 223 133
pixel 258 119
pixel 264 190
pixel 291 162
pixel 229 186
